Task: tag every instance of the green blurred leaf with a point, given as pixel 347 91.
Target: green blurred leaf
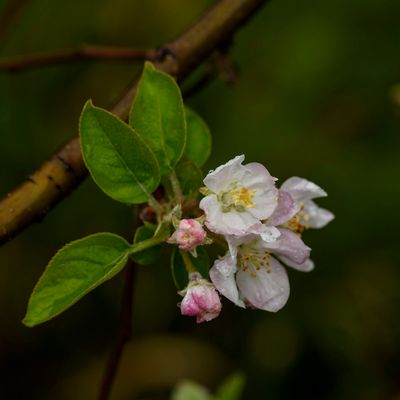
pixel 178 269
pixel 190 177
pixel 158 115
pixel 150 255
pixel 199 141
pixel 119 161
pixel 74 271
pixel 231 388
pixel 188 390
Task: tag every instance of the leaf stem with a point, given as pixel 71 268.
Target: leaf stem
pixel 156 207
pixel 123 335
pixel 176 187
pixel 188 262
pixel 145 244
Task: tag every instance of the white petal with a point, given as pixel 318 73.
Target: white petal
pixel 302 189
pixel 314 216
pixel 285 210
pixel 290 246
pixel 306 266
pixel 228 223
pixel 235 241
pixel 267 291
pixel 266 194
pixel 222 275
pixel 226 265
pixel 222 177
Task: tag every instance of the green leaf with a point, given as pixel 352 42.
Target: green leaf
pixel 178 269
pixel 188 390
pixel 150 255
pixel 73 272
pixel 231 388
pixel 198 144
pixel 190 177
pixel 119 161
pixel 158 115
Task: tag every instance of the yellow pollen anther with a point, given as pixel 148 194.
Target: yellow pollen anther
pixel 243 197
pixel 295 224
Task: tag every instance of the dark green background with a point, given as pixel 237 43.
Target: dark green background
pixel 316 97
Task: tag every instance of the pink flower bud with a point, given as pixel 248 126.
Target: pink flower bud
pixel 201 300
pixel 189 234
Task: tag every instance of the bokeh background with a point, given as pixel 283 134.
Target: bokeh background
pixel 316 97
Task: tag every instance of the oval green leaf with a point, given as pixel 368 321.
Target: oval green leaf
pixel 198 144
pixel 74 271
pixel 119 161
pixel 158 115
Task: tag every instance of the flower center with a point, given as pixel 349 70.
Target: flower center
pixel 253 260
pixel 237 199
pixel 298 223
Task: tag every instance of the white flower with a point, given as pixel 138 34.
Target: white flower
pixel 238 198
pixel 249 274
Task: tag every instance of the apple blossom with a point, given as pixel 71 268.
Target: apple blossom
pixel 251 274
pixel 201 300
pixel 238 198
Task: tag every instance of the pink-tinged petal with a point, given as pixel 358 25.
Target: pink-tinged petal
pixel 222 275
pixel 223 176
pixel 259 180
pixel 265 290
pixel 286 209
pixel 306 266
pixel 202 301
pixel 188 235
pixel 290 246
pixel 302 189
pixel 314 216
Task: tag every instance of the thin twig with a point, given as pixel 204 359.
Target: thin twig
pixel 58 176
pixel 124 332
pixel 83 52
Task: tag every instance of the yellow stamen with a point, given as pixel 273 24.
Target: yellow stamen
pixel 243 197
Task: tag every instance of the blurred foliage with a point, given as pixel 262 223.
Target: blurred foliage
pixel 317 97
pixel 230 389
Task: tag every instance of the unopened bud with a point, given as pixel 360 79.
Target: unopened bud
pixel 188 235
pixel 201 299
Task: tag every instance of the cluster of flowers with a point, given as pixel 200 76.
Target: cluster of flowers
pixel 262 226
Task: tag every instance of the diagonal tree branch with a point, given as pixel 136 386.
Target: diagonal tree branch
pixel 59 175
pixel 83 52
